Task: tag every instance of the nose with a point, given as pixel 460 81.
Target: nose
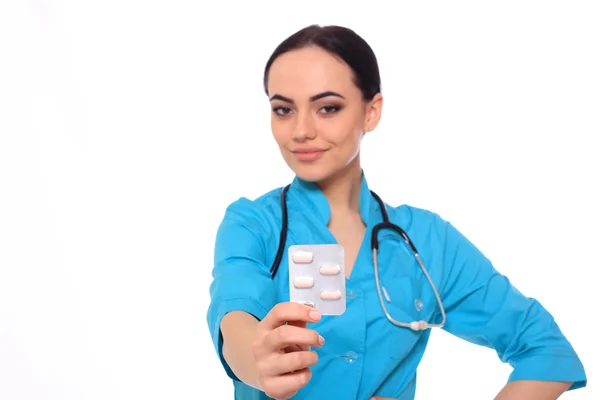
pixel 304 128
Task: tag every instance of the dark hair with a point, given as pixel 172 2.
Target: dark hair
pixel 341 42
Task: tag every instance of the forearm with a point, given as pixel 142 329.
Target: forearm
pixel 532 390
pixel 239 331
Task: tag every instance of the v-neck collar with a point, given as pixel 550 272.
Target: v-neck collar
pixel 311 196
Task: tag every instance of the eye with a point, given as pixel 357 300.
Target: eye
pixel 330 109
pixel 281 111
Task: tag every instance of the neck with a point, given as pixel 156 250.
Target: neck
pixel 343 189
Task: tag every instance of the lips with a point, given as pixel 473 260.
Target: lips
pixel 308 154
pixel 311 150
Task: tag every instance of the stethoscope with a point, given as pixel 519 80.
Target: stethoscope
pixel 385 224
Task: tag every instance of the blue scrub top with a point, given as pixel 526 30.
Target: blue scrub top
pixel 364 354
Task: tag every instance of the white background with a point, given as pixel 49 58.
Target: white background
pixel 127 127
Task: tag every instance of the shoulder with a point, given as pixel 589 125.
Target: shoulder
pixel 254 213
pixel 437 237
pixel 249 225
pixel 427 229
pixel 416 218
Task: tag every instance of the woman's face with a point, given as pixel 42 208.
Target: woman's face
pixel 319 116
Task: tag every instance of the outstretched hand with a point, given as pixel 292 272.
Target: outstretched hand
pixel 282 349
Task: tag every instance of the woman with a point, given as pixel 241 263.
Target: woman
pixel 324 90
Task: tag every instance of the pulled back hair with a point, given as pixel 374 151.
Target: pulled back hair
pixel 341 42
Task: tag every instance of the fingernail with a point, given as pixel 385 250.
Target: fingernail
pixel 315 315
pixel 321 340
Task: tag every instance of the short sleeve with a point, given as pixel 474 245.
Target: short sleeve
pixel 241 279
pixel 483 307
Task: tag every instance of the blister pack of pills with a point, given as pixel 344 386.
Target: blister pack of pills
pixel 318 277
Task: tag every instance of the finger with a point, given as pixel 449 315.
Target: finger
pixel 289 311
pixel 287 363
pixel 299 324
pixel 296 347
pixel 287 335
pixel 286 386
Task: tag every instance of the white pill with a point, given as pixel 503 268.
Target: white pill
pixel 331 295
pixel 330 269
pixel 304 282
pixel 302 257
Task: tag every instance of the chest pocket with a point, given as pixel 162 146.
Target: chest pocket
pixel 399 297
pixel 406 295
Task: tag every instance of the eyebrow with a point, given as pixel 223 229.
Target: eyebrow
pixel 312 98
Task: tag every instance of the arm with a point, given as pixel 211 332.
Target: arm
pixel 483 307
pixel 242 291
pixel 265 345
pixel 239 332
pixel 534 390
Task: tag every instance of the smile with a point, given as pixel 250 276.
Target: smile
pixel 308 154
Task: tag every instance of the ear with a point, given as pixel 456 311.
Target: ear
pixel 373 112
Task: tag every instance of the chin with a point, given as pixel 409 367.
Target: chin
pixel 312 173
